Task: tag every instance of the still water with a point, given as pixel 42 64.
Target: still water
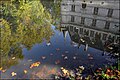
pixel 59 52
pixel 51 46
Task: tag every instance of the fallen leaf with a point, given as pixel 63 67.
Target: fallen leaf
pixel 62 55
pixel 51 54
pixel 1 68
pixel 30 60
pixel 65 72
pixel 66 51
pixel 82 40
pixel 74 57
pixel 4 70
pixel 43 57
pixel 25 71
pixel 13 57
pixel 57 62
pixel 65 57
pixel 48 44
pixel 91 57
pixel 13 74
pixel 93 43
pixel 36 64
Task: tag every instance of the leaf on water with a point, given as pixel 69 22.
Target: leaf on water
pixel 51 54
pixel 58 49
pixel 13 74
pixel 82 40
pixel 1 68
pixel 48 44
pixel 4 70
pixel 30 60
pixel 62 55
pixel 36 64
pixel 93 43
pixel 57 62
pixel 74 57
pixel 65 71
pixel 43 57
pixel 25 71
pixel 13 57
pixel 91 57
pixel 66 51
pixel 65 57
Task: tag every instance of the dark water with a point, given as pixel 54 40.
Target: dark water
pixel 53 47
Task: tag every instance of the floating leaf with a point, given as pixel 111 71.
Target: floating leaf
pixel 43 57
pixel 65 57
pixel 91 57
pixel 82 40
pixel 65 72
pixel 13 74
pixel 25 71
pixel 1 68
pixel 51 54
pixel 48 44
pixel 30 60
pixel 62 55
pixel 4 70
pixel 57 62
pixel 36 64
pixel 74 57
pixel 13 57
pixel 66 51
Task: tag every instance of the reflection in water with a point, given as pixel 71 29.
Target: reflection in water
pixel 33 48
pixel 28 29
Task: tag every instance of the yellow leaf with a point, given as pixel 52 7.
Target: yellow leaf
pixel 25 71
pixel 13 74
pixel 4 70
pixel 36 64
pixel 1 68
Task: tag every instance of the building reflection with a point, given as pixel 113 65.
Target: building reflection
pixel 92 23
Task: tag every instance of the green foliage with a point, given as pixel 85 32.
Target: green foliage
pixel 25 23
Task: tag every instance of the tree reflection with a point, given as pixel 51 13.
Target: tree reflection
pixel 23 23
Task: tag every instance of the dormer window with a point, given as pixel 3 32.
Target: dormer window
pixel 84 5
pixel 90 1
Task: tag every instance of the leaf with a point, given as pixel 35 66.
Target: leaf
pixel 25 71
pixel 13 74
pixel 4 70
pixel 13 57
pixel 1 68
pixel 65 57
pixel 43 57
pixel 51 54
pixel 74 57
pixel 57 62
pixel 36 64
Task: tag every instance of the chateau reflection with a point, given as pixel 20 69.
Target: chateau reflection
pixel 95 25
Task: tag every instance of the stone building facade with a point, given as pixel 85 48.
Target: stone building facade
pixel 94 17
